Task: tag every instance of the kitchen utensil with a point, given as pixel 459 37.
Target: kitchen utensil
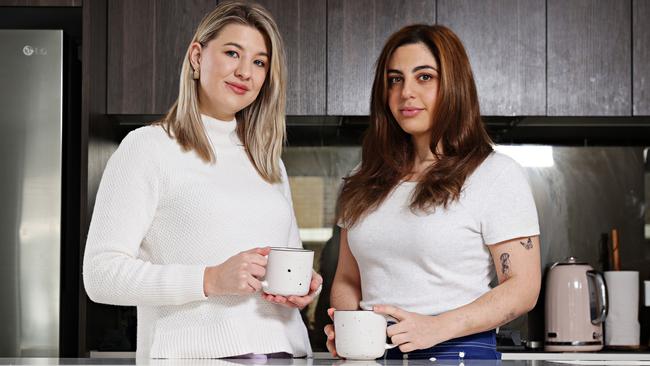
pixel 288 271
pixel 360 334
pixel 616 259
pixel 575 307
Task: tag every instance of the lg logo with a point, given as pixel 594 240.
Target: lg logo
pixel 29 50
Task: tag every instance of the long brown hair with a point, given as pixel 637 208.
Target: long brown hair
pixel 261 125
pixel 458 138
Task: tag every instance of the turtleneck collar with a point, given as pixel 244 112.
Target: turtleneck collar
pixel 212 123
pixel 220 132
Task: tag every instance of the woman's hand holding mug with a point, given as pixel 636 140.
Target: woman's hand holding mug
pixel 357 334
pixel 329 332
pixel 299 302
pixel 290 279
pixel 238 275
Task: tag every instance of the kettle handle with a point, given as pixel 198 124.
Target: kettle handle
pixel 602 293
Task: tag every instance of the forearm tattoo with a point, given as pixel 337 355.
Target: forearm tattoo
pixel 505 264
pixel 527 244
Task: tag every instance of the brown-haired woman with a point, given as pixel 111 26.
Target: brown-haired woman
pixel 432 212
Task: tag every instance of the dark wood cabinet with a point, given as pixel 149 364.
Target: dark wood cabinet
pixel 529 57
pixel 40 2
pixel 506 44
pixel 356 32
pixel 641 57
pixel 589 58
pixel 303 27
pixel 147 40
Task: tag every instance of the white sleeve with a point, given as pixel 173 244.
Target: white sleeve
pixel 509 210
pixel 294 233
pixel 126 203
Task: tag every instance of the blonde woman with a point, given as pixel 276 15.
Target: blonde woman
pixel 184 205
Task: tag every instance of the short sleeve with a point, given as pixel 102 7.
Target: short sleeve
pixel 509 210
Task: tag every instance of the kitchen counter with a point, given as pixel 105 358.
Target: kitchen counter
pixel 538 359
pixel 578 356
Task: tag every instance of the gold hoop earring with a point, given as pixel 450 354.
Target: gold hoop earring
pixel 195 74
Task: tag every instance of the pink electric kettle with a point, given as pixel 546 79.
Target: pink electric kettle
pixel 575 307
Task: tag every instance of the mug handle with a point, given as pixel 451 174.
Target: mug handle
pixel 265 285
pixel 390 345
pixel 601 289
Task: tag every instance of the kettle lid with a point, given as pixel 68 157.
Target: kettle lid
pixel 569 261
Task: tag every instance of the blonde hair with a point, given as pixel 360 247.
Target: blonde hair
pixel 261 125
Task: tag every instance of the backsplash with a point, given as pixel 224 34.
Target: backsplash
pixel 318 169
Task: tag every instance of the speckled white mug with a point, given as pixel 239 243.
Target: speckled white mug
pixel 360 334
pixel 288 271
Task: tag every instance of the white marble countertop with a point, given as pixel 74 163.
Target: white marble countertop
pixel 324 359
pixel 584 356
pixel 549 356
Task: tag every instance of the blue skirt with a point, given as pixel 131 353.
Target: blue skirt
pixel 479 346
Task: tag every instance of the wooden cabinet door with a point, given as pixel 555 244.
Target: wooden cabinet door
pixel 40 2
pixel 506 43
pixel 303 27
pixel 589 58
pixel 147 40
pixel 356 32
pixel 641 57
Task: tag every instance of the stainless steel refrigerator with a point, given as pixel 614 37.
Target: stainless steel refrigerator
pixel 31 121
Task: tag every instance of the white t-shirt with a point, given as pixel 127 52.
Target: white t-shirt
pixel 432 263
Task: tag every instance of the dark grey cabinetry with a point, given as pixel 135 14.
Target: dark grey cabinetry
pixel 148 38
pixel 589 58
pixel 356 32
pixel 303 27
pixel 40 2
pixel 146 43
pixel 506 44
pixel 529 57
pixel 641 57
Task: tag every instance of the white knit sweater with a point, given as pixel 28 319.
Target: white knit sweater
pixel 161 216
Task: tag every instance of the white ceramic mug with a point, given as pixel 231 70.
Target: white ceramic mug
pixel 288 271
pixel 360 334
